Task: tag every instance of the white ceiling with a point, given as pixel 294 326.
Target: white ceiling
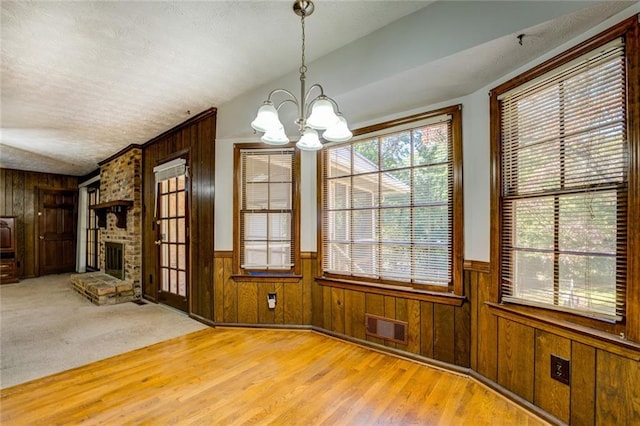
pixel 82 80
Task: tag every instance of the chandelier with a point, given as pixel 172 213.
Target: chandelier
pixel 325 114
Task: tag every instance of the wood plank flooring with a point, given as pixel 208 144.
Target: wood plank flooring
pixel 248 376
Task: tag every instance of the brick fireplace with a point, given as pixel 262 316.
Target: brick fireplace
pixel 121 179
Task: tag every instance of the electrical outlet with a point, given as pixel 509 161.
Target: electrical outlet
pixel 560 369
pixel 271 300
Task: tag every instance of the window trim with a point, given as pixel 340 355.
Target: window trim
pixel 457 250
pixel 238 271
pixel 630 30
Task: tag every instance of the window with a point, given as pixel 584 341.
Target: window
pixel 563 150
pixel 266 219
pixel 93 262
pixel 391 210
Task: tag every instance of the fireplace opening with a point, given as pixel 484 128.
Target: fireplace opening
pixel 114 259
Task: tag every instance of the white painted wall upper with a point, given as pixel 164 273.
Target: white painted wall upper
pixel 383 60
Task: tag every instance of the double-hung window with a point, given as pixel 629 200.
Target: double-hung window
pixel 563 154
pixel 266 209
pixel 389 211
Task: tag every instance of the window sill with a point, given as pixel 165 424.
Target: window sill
pixel 393 290
pixel 281 278
pixel 587 335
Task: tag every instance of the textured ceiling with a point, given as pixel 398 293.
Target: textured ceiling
pixel 82 80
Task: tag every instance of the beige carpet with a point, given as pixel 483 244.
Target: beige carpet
pixel 46 327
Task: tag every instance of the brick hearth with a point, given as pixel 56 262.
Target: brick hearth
pixel 102 289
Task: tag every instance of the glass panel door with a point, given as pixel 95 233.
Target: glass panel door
pixel 173 257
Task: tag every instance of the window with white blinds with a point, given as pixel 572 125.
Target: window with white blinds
pixel 266 195
pixel 387 210
pixel 564 164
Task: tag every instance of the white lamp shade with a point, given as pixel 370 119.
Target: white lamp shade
pixel 338 132
pixel 322 115
pixel 275 137
pixel 309 141
pixel 266 119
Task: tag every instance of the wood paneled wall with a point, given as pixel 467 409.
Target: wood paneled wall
pixel 20 198
pixel 195 138
pixel 440 332
pixel 243 300
pixel 437 331
pixel 514 352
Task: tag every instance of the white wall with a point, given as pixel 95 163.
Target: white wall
pixel 233 119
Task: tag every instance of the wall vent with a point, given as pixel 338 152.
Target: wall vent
pixel 386 328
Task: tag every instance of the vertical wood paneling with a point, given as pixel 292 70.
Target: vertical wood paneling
pixel 583 384
pixel 308 274
pixel 29 221
pixel 337 310
pixel 551 395
pixel 317 305
pixel 617 390
pixel 354 306
pixel 8 193
pixel 402 315
pixel 327 301
pixel 443 333
pixel 487 337
pixel 374 304
pixel 426 329
pixel 235 300
pixel 516 358
pixel 278 313
pixel 196 137
pixel 390 312
pixel 293 303
pixel 19 211
pixel 218 288
pixel 413 332
pixel 230 303
pixel 462 335
pixel 19 198
pixel 248 309
pixel 471 284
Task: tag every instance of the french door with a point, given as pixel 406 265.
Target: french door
pixel 172 242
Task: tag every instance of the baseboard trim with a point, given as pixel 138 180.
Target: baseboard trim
pixel 203 320
pixel 265 326
pixel 517 399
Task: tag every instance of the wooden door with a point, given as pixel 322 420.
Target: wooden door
pixel 57 216
pixel 172 243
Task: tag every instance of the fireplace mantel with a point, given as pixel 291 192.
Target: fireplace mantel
pixel 118 207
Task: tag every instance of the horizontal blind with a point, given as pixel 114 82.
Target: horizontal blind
pixel 564 200
pixel 169 170
pixel 266 209
pixel 387 205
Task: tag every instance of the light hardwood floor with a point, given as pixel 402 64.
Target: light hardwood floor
pixel 249 376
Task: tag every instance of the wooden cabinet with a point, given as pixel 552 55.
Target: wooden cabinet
pixel 8 250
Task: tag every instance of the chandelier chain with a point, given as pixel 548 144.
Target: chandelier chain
pixel 303 67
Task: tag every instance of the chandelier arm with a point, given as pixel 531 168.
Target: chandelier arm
pixel 293 101
pixel 273 92
pixel 315 86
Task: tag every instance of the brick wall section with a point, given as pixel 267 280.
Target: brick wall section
pixel 121 179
